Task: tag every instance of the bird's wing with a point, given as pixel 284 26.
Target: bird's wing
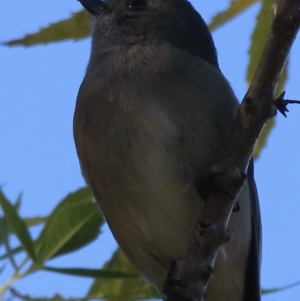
pixel 252 281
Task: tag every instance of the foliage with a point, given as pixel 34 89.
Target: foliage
pixel 73 224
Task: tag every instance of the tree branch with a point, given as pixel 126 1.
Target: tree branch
pixel 189 277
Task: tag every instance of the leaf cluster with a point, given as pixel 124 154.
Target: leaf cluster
pixel 73 224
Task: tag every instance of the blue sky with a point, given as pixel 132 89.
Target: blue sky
pixel 37 154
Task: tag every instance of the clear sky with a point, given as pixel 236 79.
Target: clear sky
pixel 38 89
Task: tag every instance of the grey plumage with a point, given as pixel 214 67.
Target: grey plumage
pixel 153 114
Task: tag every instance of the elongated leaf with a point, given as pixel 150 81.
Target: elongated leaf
pixel 279 289
pixel 78 26
pixel 56 297
pixel 2 268
pixel 9 251
pixel 35 221
pixel 18 202
pixel 91 273
pixel 259 37
pixel 121 289
pixel 3 232
pixel 74 223
pixel 235 8
pixel 31 221
pixel 13 251
pixel 18 225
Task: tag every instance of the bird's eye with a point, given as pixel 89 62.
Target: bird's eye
pixel 137 4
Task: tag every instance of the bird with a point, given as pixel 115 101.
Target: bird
pixel 153 114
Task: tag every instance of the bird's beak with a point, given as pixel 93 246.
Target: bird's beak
pixel 95 7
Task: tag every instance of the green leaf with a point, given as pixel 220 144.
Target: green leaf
pixel 259 37
pixel 18 225
pixel 13 251
pixel 235 8
pixel 3 232
pixel 74 223
pixel 31 221
pixel 2 268
pixel 56 297
pixel 35 221
pixel 78 26
pixel 279 289
pixel 126 289
pixel 17 204
pixel 9 251
pixel 94 273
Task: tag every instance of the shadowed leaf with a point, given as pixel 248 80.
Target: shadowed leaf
pixel 3 231
pixel 31 221
pixel 259 37
pixel 17 224
pixel 9 251
pixel 13 251
pixel 91 273
pixel 121 289
pixel 2 268
pixel 235 8
pixel 74 223
pixel 78 26
pixel 18 202
pixel 35 221
pixel 279 289
pixel 56 297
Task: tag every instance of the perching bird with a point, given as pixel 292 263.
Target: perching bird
pixel 153 114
